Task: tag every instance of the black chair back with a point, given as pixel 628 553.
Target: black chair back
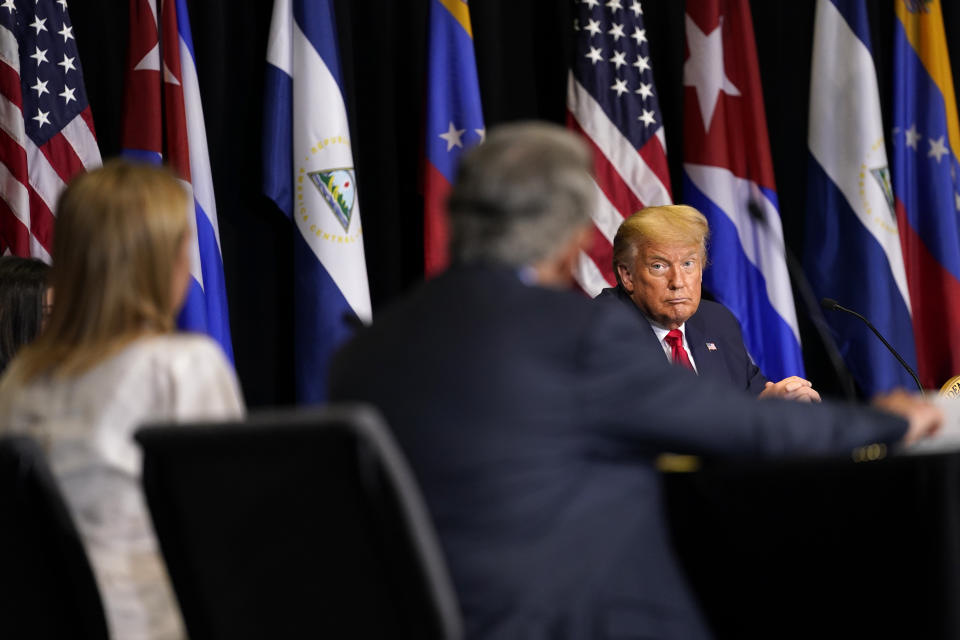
pixel 296 524
pixel 47 588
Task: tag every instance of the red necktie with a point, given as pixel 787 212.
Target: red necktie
pixel 674 338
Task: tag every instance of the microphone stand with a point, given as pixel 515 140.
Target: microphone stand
pixel 832 305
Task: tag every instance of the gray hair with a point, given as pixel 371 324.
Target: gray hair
pixel 520 195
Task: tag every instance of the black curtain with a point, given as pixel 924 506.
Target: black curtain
pixel 522 49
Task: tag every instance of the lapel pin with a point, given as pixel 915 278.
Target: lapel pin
pixel 711 346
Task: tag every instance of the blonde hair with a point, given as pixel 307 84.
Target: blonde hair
pixel 676 224
pixel 118 235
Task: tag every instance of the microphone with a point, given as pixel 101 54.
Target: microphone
pixel 832 305
pixel 814 312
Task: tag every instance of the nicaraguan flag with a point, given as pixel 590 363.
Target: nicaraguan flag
pixel 163 121
pixel 309 174
pixel 454 119
pixel 927 185
pixel 728 176
pixel 852 247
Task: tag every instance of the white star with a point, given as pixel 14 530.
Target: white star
pixel 912 136
pixel 452 136
pixel 619 58
pixel 593 27
pixel 41 118
pixel 647 118
pixel 620 86
pixel 62 3
pixel 67 95
pixel 635 7
pixel 594 55
pixel 40 56
pixel 937 149
pixel 576 24
pixel 38 24
pixel 482 133
pixel 67 63
pixel 642 63
pixel 40 88
pixel 645 90
pixel 614 5
pixel 640 35
pixel 956 200
pixel 8 5
pixel 616 31
pixel 66 32
pixel 591 3
pixel 704 70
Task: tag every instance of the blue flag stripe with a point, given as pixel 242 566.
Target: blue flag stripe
pixel 730 276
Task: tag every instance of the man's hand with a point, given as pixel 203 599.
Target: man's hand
pixel 792 388
pixel 924 417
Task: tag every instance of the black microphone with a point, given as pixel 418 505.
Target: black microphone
pixel 832 305
pixel 805 290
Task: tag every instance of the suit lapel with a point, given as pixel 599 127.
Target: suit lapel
pixel 709 362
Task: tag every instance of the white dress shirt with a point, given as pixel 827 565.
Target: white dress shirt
pixel 667 349
pixel 85 423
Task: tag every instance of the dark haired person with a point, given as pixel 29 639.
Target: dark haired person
pixel 532 415
pixel 24 303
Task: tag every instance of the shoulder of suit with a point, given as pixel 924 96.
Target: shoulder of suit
pixel 715 315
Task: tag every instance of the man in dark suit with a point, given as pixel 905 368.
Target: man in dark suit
pixel 531 416
pixel 659 254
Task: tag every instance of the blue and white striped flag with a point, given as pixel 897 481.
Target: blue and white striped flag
pixel 852 248
pixel 309 174
pixel 163 121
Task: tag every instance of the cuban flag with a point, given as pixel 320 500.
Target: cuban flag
pixel 454 119
pixel 926 137
pixel 309 173
pixel 163 121
pixel 852 247
pixel 728 176
pixel 612 103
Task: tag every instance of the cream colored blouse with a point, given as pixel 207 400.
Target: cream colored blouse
pixel 86 424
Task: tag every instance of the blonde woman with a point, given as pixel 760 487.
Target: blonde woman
pixel 108 361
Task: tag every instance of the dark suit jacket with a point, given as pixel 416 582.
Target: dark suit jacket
pixel 728 363
pixel 531 418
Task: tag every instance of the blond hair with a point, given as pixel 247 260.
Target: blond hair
pixel 118 235
pixel 676 224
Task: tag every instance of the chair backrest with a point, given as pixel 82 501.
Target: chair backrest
pixel 296 524
pixel 47 588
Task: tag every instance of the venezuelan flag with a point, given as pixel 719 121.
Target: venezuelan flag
pixel 926 181
pixel 454 118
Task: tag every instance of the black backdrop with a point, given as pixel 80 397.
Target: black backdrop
pixel 521 46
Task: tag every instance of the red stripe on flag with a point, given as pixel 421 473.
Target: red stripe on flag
pixel 87 116
pixel 10 85
pixel 41 220
pixel 436 232
pixel 15 235
pixel 607 177
pixel 935 302
pixel 602 255
pixel 62 157
pixel 655 156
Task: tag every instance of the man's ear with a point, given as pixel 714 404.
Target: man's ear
pixel 626 278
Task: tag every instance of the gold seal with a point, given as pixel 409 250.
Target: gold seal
pixel 951 388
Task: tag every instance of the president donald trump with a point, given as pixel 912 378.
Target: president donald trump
pixel 659 254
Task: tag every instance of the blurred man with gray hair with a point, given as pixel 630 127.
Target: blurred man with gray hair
pixel 531 415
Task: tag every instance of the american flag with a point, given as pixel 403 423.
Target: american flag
pixel 46 128
pixel 612 102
